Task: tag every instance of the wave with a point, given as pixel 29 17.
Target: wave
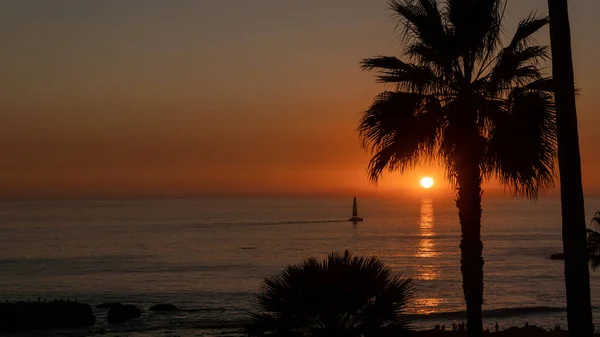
pixel 236 322
pixel 223 323
pixel 271 223
pixel 501 312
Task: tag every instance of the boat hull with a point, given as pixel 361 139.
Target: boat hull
pixel 355 219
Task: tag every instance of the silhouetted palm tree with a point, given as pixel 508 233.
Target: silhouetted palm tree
pixel 593 243
pixel 340 296
pixel 464 100
pixel 577 277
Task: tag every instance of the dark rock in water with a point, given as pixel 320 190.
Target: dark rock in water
pixel 558 256
pixel 123 313
pixel 44 315
pixel 108 305
pixel 164 307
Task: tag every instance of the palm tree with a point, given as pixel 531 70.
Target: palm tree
pixel 463 99
pixel 343 295
pixel 593 243
pixel 577 277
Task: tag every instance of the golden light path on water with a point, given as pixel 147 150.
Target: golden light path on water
pixel 428 305
pixel 426 247
pixel 427 250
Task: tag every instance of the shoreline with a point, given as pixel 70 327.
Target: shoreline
pixel 530 331
pixel 188 320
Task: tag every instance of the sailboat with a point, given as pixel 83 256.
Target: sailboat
pixel 355 217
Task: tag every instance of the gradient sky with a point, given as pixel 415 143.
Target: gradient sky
pixel 214 97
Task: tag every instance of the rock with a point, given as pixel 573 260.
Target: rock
pixel 164 307
pixel 122 313
pixel 45 315
pixel 558 256
pixel 107 305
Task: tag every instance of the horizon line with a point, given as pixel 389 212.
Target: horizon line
pixel 497 193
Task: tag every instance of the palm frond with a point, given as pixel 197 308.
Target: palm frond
pixel 423 25
pixel 400 129
pixel 522 146
pixel 545 84
pixel 593 242
pixel 421 20
pixel 341 294
pixel 477 26
pixel 593 248
pixel 596 219
pixel 384 63
pixel 407 76
pixel 526 29
pixel 516 55
pixel 516 68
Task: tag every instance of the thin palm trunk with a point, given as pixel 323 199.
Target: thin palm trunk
pixel 469 213
pixel 577 278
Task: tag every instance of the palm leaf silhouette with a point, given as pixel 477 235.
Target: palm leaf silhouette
pixel 343 295
pixel 593 243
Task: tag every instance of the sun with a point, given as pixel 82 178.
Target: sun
pixel 426 182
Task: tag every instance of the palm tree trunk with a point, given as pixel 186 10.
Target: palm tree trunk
pixel 577 278
pixel 468 203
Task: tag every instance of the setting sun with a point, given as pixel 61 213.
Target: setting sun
pixel 426 182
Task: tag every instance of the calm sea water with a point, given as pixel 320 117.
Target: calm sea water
pixel 210 255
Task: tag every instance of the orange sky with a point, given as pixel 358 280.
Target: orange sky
pixel 209 97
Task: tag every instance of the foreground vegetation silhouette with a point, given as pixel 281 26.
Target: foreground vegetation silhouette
pixel 463 99
pixel 593 243
pixel 343 295
pixel 577 277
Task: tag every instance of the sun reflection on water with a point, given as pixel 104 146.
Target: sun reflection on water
pixel 426 218
pixel 428 272
pixel 426 247
pixel 427 306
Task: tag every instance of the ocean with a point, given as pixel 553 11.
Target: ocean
pixel 210 255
